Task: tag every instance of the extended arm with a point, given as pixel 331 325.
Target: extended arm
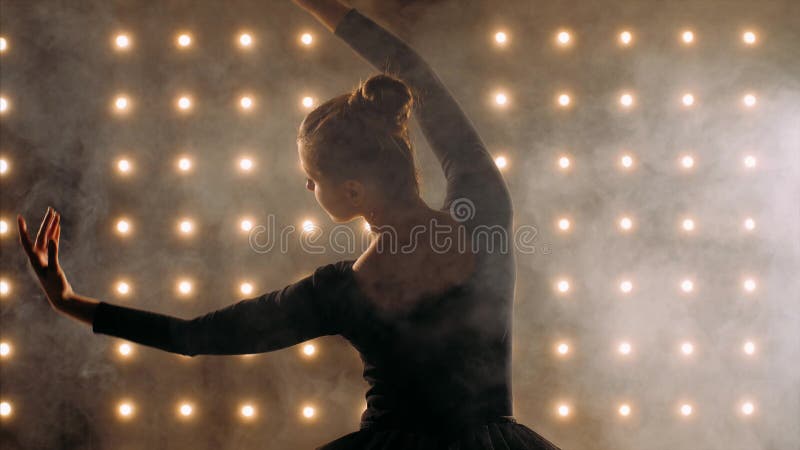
pixel 468 167
pixel 274 320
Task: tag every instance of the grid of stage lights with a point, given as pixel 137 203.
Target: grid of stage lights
pixel 185 287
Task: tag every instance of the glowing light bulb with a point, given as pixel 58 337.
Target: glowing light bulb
pixel 308 412
pixel 500 37
pixel 687 37
pixel 626 223
pixel 3 105
pixel 246 102
pixel 501 98
pixel 246 288
pixel 123 288
pixel 308 226
pixel 748 408
pixel 563 224
pixel 246 224
pixel 562 286
pixel 626 100
pixel 563 410
pixel 749 348
pixel 626 161
pixel 688 224
pixel 749 224
pixel 564 100
pixel 749 285
pixel 184 103
pixel 687 99
pixel 185 409
pixel 749 162
pixel 122 41
pixel 3 166
pixel 563 162
pixel 686 409
pixel 5 349
pixel 245 164
pixel 124 166
pixel 184 164
pixel 687 348
pixel 123 226
pixel 563 38
pixel 687 286
pixel 3 45
pixel 625 38
pixel 625 410
pixel 121 103
pixel 5 409
pixel 749 37
pixel 309 349
pixel 749 100
pixel 185 287
pixel 626 286
pixel 245 40
pixel 562 348
pixel 124 349
pixel 3 227
pixel 624 348
pixel 184 40
pixel 306 38
pixel 126 409
pixel 5 288
pixel 687 162
pixel 248 411
pixel 186 226
pixel 501 162
pixel 308 102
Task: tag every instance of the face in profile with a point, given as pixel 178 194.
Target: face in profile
pixel 339 199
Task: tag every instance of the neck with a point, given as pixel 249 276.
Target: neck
pixel 399 217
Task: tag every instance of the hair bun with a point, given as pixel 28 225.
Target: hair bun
pixel 386 95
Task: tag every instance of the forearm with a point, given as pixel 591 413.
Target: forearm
pixel 79 308
pixel 329 12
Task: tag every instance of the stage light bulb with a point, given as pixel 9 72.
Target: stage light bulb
pixel 501 162
pixel 308 226
pixel 246 288
pixel 626 286
pixel 248 411
pixel 626 100
pixel 186 226
pixel 687 348
pixel 308 412
pixel 123 226
pixel 626 161
pixel 246 225
pixel 687 162
pixel 245 164
pixel 747 408
pixel 686 409
pixel 749 285
pixel 308 102
pixel 562 348
pixel 122 41
pixel 3 166
pixel 687 37
pixel 626 223
pixel 5 349
pixel 563 286
pixel 306 39
pixel 563 162
pixel 309 349
pixel 3 227
pixel 245 40
pixel 625 38
pixel 124 349
pixel 563 410
pixel 750 162
pixel 563 38
pixel 246 102
pixel 4 105
pixel 687 99
pixel 749 37
pixel 184 40
pixel 624 410
pixel 3 45
pixel 184 164
pixel 563 224
pixel 625 348
pixel 749 100
pixel 124 166
pixel 564 100
pixel 500 37
pixel 121 103
pixel 688 224
pixel 5 287
pixel 123 288
pixel 186 410
pixel 749 224
pixel 501 99
pixel 126 409
pixel 749 348
pixel 185 287
pixel 184 103
pixel 687 286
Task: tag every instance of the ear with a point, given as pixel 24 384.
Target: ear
pixel 355 191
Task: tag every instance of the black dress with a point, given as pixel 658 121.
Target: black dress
pixel 439 373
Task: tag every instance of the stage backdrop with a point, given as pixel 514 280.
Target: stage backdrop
pixel 651 148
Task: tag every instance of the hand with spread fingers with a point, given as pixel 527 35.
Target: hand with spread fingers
pixel 43 256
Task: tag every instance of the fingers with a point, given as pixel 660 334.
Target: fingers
pixel 52 254
pixel 40 236
pixel 51 231
pixel 58 229
pixel 26 244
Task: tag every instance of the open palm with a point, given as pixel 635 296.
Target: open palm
pixel 43 256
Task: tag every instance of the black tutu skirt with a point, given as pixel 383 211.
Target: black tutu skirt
pixel 501 434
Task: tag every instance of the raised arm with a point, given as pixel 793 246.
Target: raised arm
pixel 468 167
pixel 274 320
